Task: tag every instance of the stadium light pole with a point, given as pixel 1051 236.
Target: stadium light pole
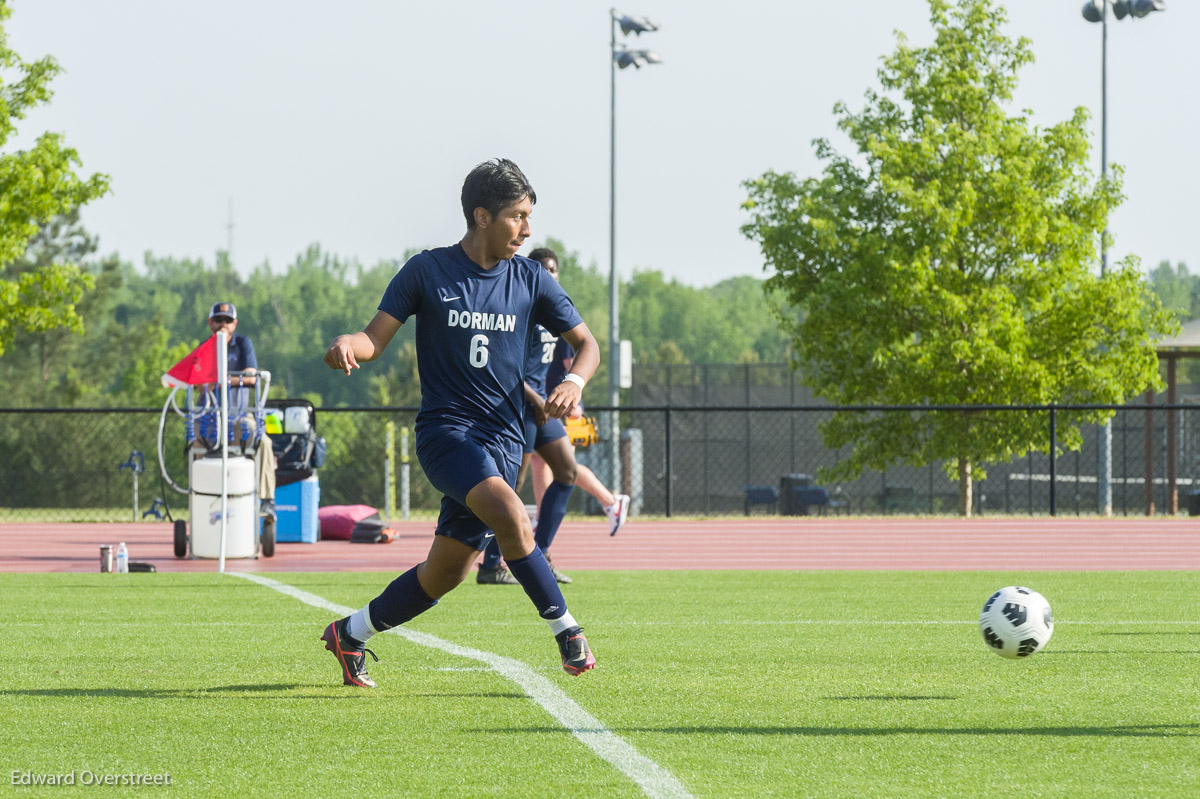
pixel 1097 11
pixel 621 58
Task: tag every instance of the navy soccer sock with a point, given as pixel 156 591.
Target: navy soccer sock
pixel 551 513
pixel 534 575
pixel 403 599
pixel 491 555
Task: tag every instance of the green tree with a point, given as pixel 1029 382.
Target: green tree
pixel 38 353
pixel 948 261
pixel 1177 289
pixel 664 319
pixel 142 320
pixel 36 185
pixel 726 323
pixel 669 354
pixel 751 309
pixel 140 381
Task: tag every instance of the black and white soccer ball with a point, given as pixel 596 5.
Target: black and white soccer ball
pixel 1016 622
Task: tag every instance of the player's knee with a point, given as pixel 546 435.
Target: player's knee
pixel 515 537
pixel 567 473
pixel 439 581
pixel 514 528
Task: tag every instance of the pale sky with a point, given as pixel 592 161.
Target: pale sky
pixel 353 124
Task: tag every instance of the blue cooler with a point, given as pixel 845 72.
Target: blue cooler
pixel 296 511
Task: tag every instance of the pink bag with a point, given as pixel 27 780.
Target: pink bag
pixel 337 521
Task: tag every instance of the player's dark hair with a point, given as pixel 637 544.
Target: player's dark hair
pixel 542 253
pixel 494 185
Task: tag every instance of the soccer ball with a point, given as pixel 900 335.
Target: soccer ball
pixel 1016 622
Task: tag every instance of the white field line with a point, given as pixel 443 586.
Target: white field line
pixel 653 779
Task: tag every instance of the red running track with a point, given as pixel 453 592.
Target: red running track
pixel 994 544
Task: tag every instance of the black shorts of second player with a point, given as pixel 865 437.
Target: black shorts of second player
pixel 538 437
pixel 455 463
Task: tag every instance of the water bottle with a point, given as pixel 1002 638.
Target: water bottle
pixel 122 559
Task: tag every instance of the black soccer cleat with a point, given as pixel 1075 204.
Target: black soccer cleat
pixel 350 658
pixel 496 576
pixel 577 656
pixel 559 577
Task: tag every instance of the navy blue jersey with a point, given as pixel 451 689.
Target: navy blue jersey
pixel 241 354
pixel 562 352
pixel 540 356
pixel 475 328
pixel 241 357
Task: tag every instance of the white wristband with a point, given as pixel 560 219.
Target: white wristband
pixel 571 377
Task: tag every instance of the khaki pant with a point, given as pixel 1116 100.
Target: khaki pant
pixel 264 460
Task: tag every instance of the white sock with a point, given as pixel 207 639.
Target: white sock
pixel 563 622
pixel 359 627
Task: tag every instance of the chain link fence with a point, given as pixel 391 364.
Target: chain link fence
pixel 723 461
pixel 65 464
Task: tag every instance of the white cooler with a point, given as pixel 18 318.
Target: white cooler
pixel 205 504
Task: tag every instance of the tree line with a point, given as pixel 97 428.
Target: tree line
pixel 137 322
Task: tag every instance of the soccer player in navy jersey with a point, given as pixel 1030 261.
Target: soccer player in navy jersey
pixel 547 438
pixel 546 435
pixel 615 506
pixel 477 305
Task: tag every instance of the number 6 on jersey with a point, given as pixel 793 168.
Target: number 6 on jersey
pixel 479 353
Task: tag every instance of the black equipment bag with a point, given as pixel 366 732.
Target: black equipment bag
pixel 299 453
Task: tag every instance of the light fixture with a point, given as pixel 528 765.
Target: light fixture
pixel 638 25
pixel 636 58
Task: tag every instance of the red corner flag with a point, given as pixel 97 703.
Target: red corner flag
pixel 199 366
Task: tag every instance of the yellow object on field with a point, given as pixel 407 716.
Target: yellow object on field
pixel 582 431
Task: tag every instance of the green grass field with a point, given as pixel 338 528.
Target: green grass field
pixel 855 684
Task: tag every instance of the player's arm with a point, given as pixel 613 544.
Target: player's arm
pixel 366 345
pixel 538 404
pixel 566 395
pixel 577 411
pixel 567 359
